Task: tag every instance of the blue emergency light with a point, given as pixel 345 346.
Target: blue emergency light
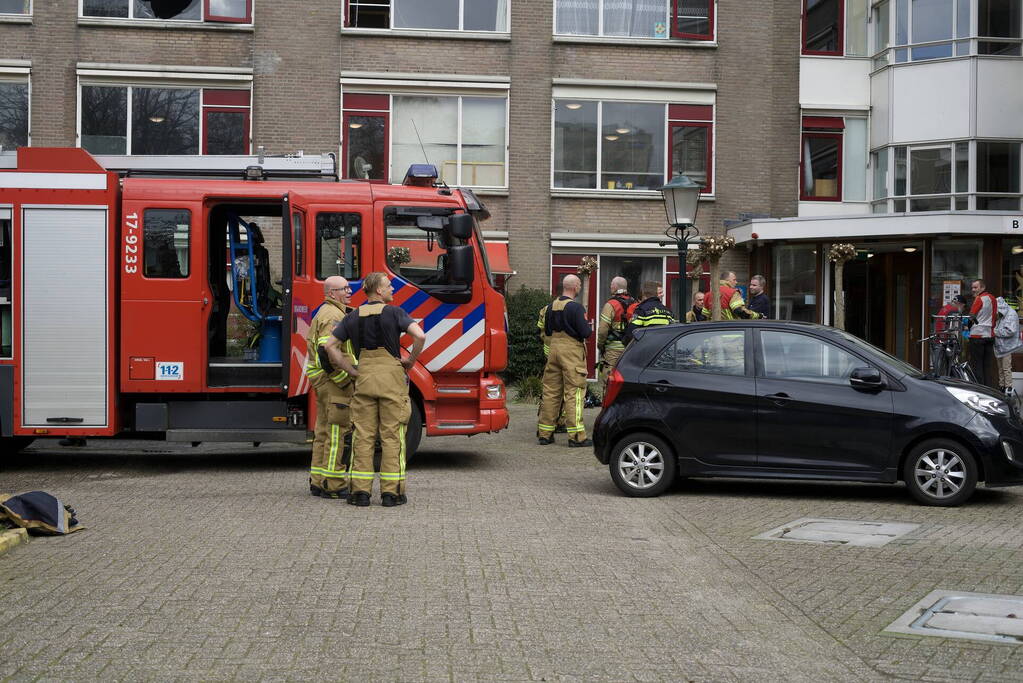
pixel 421 175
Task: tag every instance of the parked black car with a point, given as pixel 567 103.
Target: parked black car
pixel 797 401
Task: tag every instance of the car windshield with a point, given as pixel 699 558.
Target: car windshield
pixel 880 354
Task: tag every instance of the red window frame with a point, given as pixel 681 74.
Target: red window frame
pixel 802 167
pixel 209 16
pixel 693 116
pixel 841 33
pixel 227 101
pixel 675 33
pixel 365 104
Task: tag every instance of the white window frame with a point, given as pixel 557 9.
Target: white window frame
pixel 19 71
pixel 346 26
pixel 668 38
pixel 639 92
pixel 31 7
pixel 160 77
pixel 187 22
pixel 406 84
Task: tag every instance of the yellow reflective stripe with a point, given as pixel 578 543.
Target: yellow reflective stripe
pixel 332 460
pixel 606 319
pixel 392 476
pixel 401 457
pixel 546 350
pixel 579 408
pixel 313 372
pixel 548 428
pixel 361 476
pixel 329 474
pixel 322 341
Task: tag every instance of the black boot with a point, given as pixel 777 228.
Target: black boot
pixel 359 498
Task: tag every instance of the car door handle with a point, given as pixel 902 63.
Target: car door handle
pixel 662 385
pixel 779 399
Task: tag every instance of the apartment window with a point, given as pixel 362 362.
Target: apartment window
pixel 464 136
pixel 998 171
pixel 923 178
pixel 620 145
pixel 118 119
pixel 999 26
pixel 931 29
pixel 690 142
pixel 15 6
pixel 438 15
pixel 13 114
pixel 821 167
pixel 660 19
pixel 232 11
pixel 823 27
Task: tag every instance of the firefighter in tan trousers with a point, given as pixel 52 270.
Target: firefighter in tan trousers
pixel 334 390
pixel 564 377
pixel 381 405
pixel 614 317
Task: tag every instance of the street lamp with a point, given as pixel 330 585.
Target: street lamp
pixel 681 202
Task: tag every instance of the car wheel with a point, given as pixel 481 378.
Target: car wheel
pixel 940 472
pixel 642 465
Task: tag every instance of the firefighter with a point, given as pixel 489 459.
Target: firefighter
pixel 614 318
pixel 381 405
pixel 334 389
pixel 564 377
pixel 732 305
pixel 545 340
pixel 650 311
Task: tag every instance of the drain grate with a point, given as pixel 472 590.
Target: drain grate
pixel 838 532
pixel 975 616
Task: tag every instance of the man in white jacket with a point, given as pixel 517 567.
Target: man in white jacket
pixel 1007 341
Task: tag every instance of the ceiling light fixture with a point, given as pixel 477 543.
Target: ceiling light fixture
pixel 1018 249
pixel 909 250
pixel 623 131
pixel 354 125
pixel 610 138
pixel 157 119
pixel 574 105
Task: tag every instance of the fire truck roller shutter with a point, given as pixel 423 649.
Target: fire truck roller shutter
pixel 64 317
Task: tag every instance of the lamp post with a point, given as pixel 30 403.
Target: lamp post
pixel 681 202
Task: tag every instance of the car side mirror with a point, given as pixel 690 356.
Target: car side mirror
pixel 866 378
pixel 460 226
pixel 460 260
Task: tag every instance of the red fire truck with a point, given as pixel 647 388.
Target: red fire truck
pixel 171 302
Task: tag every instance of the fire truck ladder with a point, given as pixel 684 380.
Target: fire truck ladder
pixel 245 167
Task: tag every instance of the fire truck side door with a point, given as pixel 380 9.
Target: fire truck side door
pixel 293 347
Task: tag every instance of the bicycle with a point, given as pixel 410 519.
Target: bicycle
pixel 946 350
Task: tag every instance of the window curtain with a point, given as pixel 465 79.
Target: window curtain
pixel 502 16
pixel 436 120
pixel 636 18
pixel 577 17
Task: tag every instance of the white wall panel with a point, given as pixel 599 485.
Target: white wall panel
pixel 931 101
pixel 64 318
pixel 833 83
pixel 824 209
pixel 880 109
pixel 999 98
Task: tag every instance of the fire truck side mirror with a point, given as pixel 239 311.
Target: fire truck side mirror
pixel 460 226
pixel 461 263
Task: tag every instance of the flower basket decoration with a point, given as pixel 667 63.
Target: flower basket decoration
pixel 839 254
pixel 713 248
pixel 694 259
pixel 587 266
pixel 399 256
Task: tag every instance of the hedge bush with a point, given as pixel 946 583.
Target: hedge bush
pixel 525 352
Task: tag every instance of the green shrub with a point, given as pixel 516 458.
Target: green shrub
pixel 529 389
pixel 525 351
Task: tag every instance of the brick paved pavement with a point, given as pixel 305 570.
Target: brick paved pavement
pixel 511 562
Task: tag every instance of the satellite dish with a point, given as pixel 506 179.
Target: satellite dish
pixel 168 9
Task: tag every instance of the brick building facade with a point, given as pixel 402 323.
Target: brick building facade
pixel 301 70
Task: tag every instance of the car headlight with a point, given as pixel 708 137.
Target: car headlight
pixel 494 392
pixel 982 403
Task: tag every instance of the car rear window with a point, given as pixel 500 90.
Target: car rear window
pixel 720 352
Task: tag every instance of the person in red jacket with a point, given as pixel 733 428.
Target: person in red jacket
pixel 952 308
pixel 982 336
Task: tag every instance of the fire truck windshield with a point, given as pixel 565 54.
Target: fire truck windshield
pixel 422 250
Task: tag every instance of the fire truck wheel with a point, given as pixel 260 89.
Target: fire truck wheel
pixel 414 431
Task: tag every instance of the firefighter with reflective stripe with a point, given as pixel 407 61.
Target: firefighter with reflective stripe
pixel 564 377
pixel 614 318
pixel 650 311
pixel 381 407
pixel 733 307
pixel 334 389
pixel 545 340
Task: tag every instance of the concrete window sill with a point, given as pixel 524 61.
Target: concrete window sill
pixel 158 24
pixel 412 33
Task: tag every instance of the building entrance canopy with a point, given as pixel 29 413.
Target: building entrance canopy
pixel 871 226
